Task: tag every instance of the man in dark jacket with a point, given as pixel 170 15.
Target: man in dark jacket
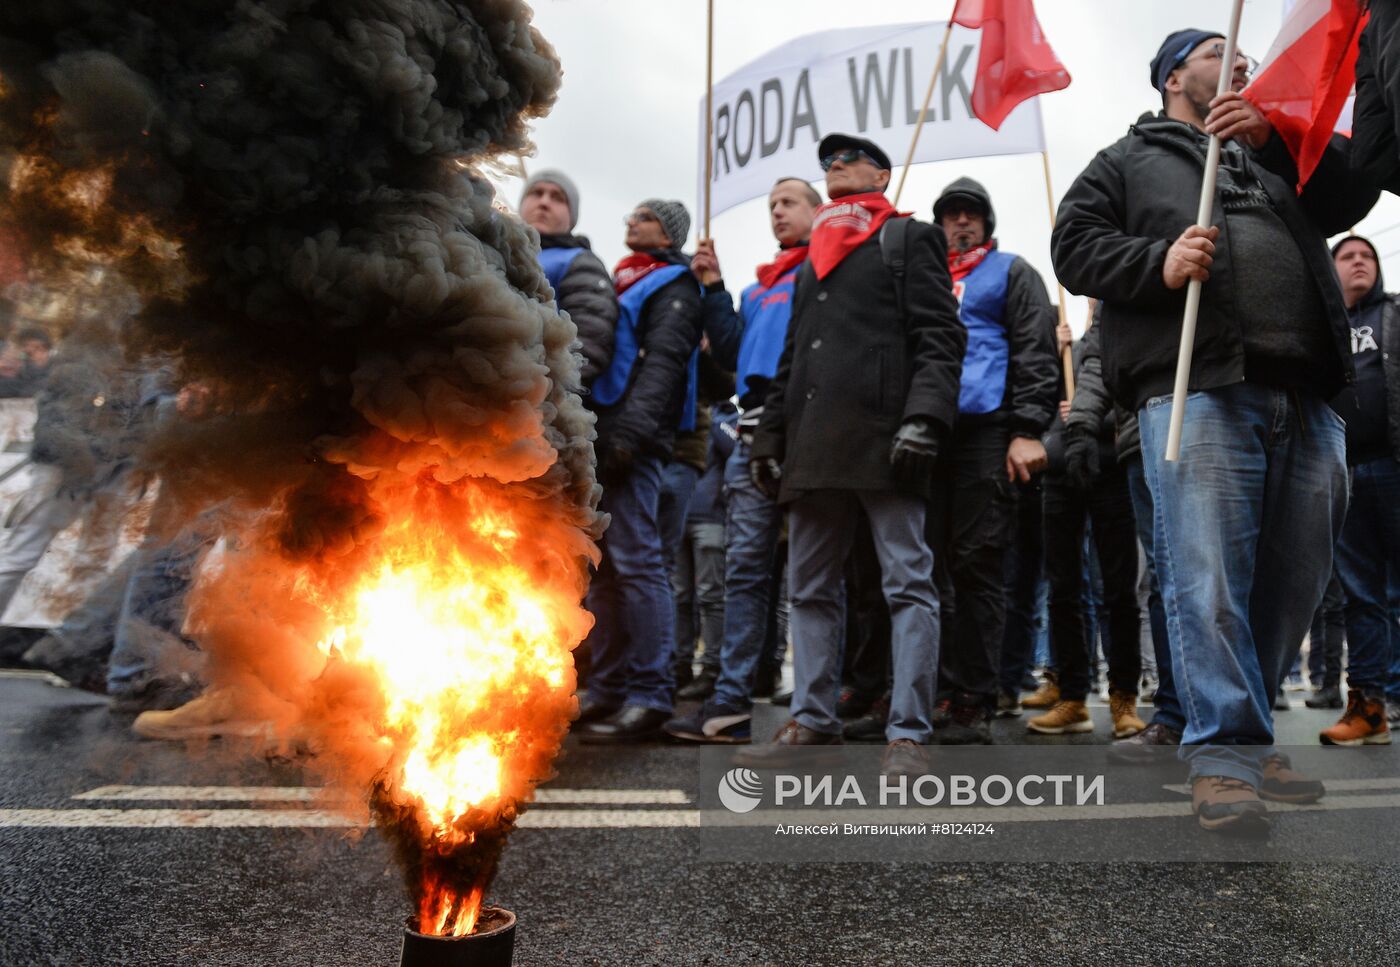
pixel 749 341
pixel 582 286
pixel 1376 117
pixel 1368 553
pixel 866 388
pixel 1005 402
pixel 1248 516
pixel 644 395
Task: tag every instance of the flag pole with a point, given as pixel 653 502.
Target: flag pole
pixel 1193 288
pixel 709 107
pixel 1067 355
pixel 928 98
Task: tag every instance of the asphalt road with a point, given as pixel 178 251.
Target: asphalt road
pixel 188 885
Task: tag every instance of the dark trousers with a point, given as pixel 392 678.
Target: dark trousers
pixel 1368 557
pixel 971 522
pixel 1025 567
pixel 1168 704
pixel 1327 637
pixel 1107 504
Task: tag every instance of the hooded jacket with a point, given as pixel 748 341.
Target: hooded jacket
pixel 1371 405
pixel 1032 371
pixel 1133 201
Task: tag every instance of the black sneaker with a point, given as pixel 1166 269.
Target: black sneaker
pixel 1329 696
pixel 852 703
pixel 711 724
pixel 1146 746
pixel 870 727
pixel 969 723
pixel 699 688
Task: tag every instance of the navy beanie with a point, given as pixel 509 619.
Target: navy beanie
pixel 1174 50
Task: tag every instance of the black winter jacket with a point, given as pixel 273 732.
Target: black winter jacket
pixel 854 367
pixel 1375 128
pixel 645 419
pixel 1134 199
pixel 1033 373
pixel 586 293
pixel 1093 408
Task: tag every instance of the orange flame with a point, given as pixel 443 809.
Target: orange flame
pixel 468 647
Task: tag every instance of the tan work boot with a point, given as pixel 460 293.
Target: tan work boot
pixel 1228 805
pixel 211 715
pixel 1363 723
pixel 1045 696
pixel 1123 705
pixel 1063 717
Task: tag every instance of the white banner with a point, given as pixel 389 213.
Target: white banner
pixel 868 81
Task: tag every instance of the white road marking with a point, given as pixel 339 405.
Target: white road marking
pixel 547 797
pixel 37 675
pixel 1333 785
pixel 292 818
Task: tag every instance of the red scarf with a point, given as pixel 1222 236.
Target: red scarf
pixel 787 260
pixel 961 264
pixel 634 268
pixel 842 225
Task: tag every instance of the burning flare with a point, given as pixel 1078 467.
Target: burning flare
pixel 466 654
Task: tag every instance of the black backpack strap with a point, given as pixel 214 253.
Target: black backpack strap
pixel 894 248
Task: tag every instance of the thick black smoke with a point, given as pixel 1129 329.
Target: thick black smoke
pixel 342 281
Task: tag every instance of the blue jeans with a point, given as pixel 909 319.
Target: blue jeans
pixel 633 637
pixel 1245 524
pixel 1368 554
pixel 752 522
pixel 1168 705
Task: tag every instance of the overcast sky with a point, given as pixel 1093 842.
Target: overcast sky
pixel 634 72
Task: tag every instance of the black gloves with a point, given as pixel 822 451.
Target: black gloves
pixel 765 473
pixel 1081 457
pixel 614 463
pixel 915 452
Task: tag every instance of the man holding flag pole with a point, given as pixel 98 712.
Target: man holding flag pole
pixel 1247 517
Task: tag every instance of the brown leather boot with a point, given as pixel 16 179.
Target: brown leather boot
pixel 1363 723
pixel 791 745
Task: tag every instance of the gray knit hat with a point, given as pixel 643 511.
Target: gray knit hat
pixel 675 220
pixel 555 177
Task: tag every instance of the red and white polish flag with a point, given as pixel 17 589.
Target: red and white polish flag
pixel 1305 82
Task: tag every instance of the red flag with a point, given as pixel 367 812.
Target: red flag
pixel 1308 75
pixel 1016 61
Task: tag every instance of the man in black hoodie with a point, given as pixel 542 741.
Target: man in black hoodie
pixel 644 395
pixel 1249 514
pixel 1368 553
pixel 1006 399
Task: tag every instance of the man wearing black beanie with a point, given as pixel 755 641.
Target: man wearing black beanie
pixel 1249 514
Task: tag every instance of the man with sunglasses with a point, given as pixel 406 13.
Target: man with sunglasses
pixel 865 390
pixel 644 395
pixel 1247 518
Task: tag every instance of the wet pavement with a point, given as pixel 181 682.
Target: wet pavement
pixel 120 876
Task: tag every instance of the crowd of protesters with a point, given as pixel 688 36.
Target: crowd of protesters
pixel 871 451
